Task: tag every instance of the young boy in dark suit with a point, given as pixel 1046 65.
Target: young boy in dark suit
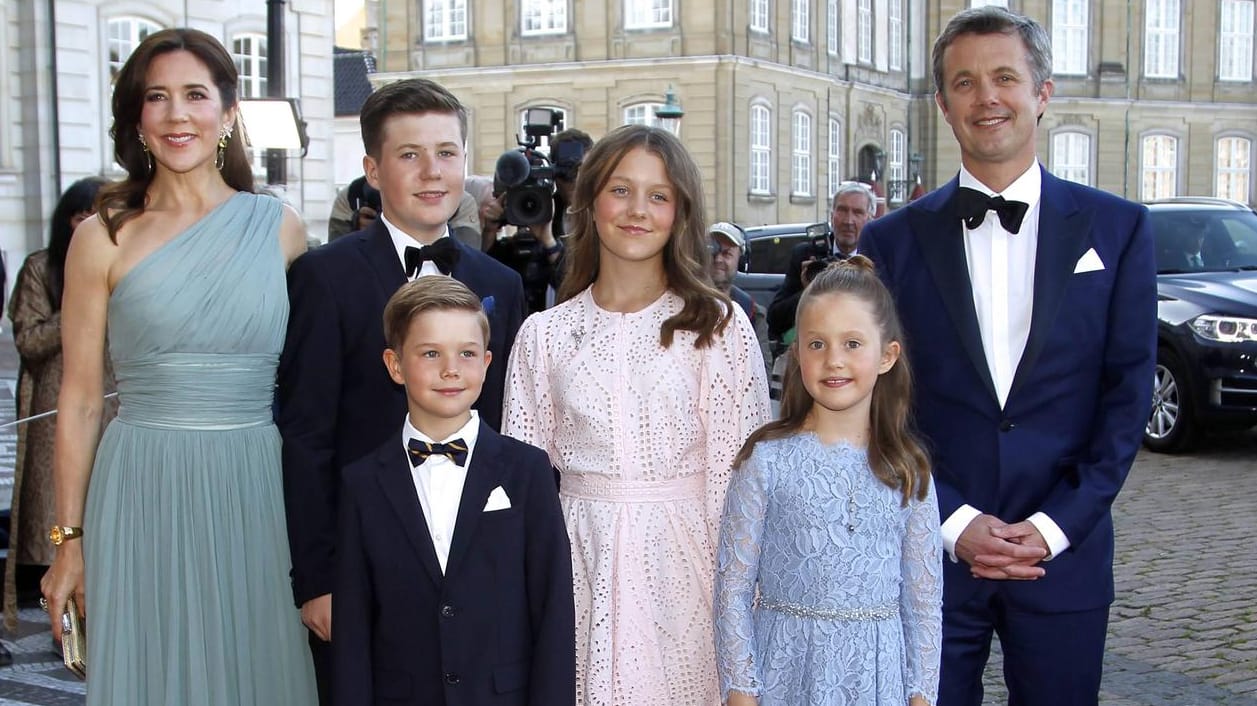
pixel 335 401
pixel 453 570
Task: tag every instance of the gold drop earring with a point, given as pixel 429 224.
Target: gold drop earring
pixel 223 135
pixel 144 146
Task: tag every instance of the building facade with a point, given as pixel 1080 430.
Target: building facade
pixel 784 99
pixel 57 64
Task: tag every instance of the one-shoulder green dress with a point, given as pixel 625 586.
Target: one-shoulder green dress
pixel 188 600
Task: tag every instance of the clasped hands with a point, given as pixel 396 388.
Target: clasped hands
pixel 994 549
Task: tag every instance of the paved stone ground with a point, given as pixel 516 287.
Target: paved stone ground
pixel 1183 631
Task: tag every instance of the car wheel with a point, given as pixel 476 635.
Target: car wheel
pixel 1172 425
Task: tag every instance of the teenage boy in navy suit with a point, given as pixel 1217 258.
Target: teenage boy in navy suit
pixel 453 570
pixel 335 401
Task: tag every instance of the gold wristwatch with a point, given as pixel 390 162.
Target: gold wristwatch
pixel 59 534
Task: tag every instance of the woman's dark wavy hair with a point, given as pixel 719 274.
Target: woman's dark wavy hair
pixel 124 200
pixel 79 198
pixel 707 310
pixel 895 453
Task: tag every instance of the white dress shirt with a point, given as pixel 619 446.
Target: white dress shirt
pixel 401 241
pixel 439 483
pixel 1001 271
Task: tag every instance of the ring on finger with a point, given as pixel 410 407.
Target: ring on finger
pixel 43 604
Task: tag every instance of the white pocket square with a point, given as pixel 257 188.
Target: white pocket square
pixel 1089 262
pixel 497 500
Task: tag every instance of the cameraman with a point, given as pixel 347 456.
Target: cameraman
pixel 536 251
pixel 356 207
pixel 854 205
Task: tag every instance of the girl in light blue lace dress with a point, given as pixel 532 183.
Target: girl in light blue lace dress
pixel 829 568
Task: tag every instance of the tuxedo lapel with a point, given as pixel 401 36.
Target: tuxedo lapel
pixel 1063 234
pixel 398 486
pixel 936 225
pixel 377 248
pixel 482 477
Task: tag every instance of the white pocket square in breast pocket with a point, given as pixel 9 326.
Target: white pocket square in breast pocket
pixel 1089 262
pixel 497 500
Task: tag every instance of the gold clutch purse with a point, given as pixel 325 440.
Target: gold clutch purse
pixel 73 640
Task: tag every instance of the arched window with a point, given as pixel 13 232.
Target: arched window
pixel 761 150
pixel 1233 168
pixel 125 34
pixel 1158 167
pixel 801 154
pixel 1071 156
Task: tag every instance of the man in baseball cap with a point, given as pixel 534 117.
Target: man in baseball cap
pixel 728 243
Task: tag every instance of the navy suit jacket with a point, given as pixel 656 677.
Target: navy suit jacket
pixel 496 628
pixel 1074 417
pixel 335 400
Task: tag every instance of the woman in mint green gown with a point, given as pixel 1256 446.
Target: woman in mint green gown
pixel 182 568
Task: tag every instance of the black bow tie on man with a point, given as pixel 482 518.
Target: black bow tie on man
pixel 420 451
pixel 443 253
pixel 974 204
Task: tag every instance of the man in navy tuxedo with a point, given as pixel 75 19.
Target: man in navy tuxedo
pixel 335 400
pixel 1029 305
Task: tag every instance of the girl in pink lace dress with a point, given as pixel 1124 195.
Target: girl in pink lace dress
pixel 642 385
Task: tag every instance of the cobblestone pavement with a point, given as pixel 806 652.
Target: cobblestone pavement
pixel 1183 631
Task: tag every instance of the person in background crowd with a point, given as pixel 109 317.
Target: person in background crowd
pixel 357 205
pixel 335 400
pixel 178 512
pixel 1032 302
pixel 35 310
pixel 853 206
pixel 728 243
pixel 641 384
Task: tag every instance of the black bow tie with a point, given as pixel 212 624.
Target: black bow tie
pixel 974 204
pixel 443 253
pixel 455 450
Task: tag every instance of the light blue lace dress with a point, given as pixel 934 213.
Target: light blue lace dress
pixel 188 600
pixel 849 582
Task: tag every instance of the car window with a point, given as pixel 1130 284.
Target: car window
pixel 1205 240
pixel 771 254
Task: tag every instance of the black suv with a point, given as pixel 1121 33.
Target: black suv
pixel 769 248
pixel 1206 375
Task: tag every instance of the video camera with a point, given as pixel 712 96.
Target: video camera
pixel 526 177
pixel 820 240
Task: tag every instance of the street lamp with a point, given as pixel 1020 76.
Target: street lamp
pixel 670 114
pixel 915 160
pixel 274 124
pixel 879 164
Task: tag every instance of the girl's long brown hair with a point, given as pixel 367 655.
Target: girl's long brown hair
pixel 121 201
pixel 895 453
pixel 707 310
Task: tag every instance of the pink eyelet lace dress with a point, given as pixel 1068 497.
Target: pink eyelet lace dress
pixel 643 438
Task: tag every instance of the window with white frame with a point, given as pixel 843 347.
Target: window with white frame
pixel 801 154
pixel 1161 39
pixel 125 34
pixel 761 150
pixel 543 17
pixel 864 37
pixel 643 114
pixel 249 53
pixel 647 14
pixel 992 3
pixel 1159 167
pixel 896 165
pixel 800 21
pixel 1235 40
pixel 543 144
pixel 759 15
pixel 1071 156
pixel 1069 37
pixel 894 40
pixel 1234 167
pixel 444 20
pixel 835 156
pixel 831 27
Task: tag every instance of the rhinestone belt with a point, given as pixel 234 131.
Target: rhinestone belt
pixel 850 615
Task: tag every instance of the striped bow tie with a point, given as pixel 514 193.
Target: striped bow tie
pixel 455 451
